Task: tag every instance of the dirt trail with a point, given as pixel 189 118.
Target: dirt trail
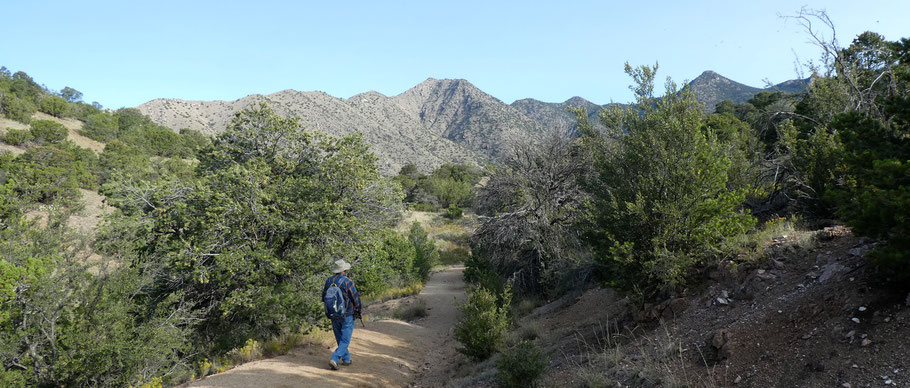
pixel 387 353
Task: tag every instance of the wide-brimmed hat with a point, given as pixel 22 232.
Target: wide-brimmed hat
pixel 340 266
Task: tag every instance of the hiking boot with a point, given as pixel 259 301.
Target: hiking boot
pixel 333 364
pixel 346 363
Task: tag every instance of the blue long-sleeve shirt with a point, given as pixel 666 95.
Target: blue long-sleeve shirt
pixel 351 297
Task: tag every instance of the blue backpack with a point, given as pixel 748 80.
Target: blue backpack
pixel 334 301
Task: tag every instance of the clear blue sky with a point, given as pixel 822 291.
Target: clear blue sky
pixel 123 53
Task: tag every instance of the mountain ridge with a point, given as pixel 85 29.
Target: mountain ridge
pixel 434 122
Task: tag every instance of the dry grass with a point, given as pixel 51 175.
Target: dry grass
pixel 658 358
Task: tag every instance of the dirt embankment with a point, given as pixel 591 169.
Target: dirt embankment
pixel 385 353
pixel 805 316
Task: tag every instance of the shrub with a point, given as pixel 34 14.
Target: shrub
pixel 17 109
pixel 426 254
pixel 481 272
pixel 521 366
pixel 660 202
pixel 54 106
pixel 48 132
pixel 453 212
pixel 485 319
pixel 412 311
pixel 16 137
pixel 101 127
pixel 455 255
pixel 424 207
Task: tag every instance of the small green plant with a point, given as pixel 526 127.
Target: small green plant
pixel 424 207
pixel 454 212
pixel 485 318
pixel 252 350
pixel 521 366
pixel 17 137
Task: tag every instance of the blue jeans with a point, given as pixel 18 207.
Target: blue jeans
pixel 343 328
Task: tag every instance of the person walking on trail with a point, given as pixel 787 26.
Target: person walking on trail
pixel 342 306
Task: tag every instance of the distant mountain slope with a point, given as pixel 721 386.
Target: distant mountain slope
pixel 556 114
pixel 435 122
pixel 711 88
pixel 459 111
pixel 395 136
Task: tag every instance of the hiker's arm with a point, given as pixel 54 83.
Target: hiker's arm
pixel 355 296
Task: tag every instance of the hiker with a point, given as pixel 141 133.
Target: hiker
pixel 342 306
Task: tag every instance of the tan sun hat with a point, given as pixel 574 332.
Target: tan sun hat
pixel 340 266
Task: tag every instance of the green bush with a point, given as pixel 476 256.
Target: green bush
pixel 480 271
pixel 101 127
pixel 455 255
pixel 660 202
pixel 17 137
pixel 48 132
pixel 54 106
pixel 16 108
pixel 426 254
pixel 485 319
pixel 521 366
pixel 454 212
pixel 424 207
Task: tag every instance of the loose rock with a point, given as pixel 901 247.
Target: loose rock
pixel 866 342
pixel 830 271
pixel 855 320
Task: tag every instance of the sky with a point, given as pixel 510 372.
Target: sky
pixel 124 53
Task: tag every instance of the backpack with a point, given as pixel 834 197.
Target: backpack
pixel 334 301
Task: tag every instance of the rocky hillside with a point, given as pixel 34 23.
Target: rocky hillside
pixel 556 114
pixel 437 121
pixel 711 88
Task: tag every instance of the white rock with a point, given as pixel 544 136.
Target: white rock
pixel 855 320
pixel 862 308
pixel 738 380
pixel 722 301
pixel 846 385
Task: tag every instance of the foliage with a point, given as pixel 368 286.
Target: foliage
pixel 101 127
pixel 64 326
pixel 249 241
pixel 454 212
pixel 387 262
pixel 50 173
pixel 534 203
pixel 16 108
pixel 54 106
pixel 481 272
pixel 48 132
pixel 449 184
pixel 660 201
pixel 425 253
pixel 454 255
pixel 521 366
pixel 485 319
pixel 17 137
pixel 70 95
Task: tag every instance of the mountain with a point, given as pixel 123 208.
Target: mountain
pixel 459 111
pixel 396 136
pixel 556 114
pixel 711 88
pixel 437 121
